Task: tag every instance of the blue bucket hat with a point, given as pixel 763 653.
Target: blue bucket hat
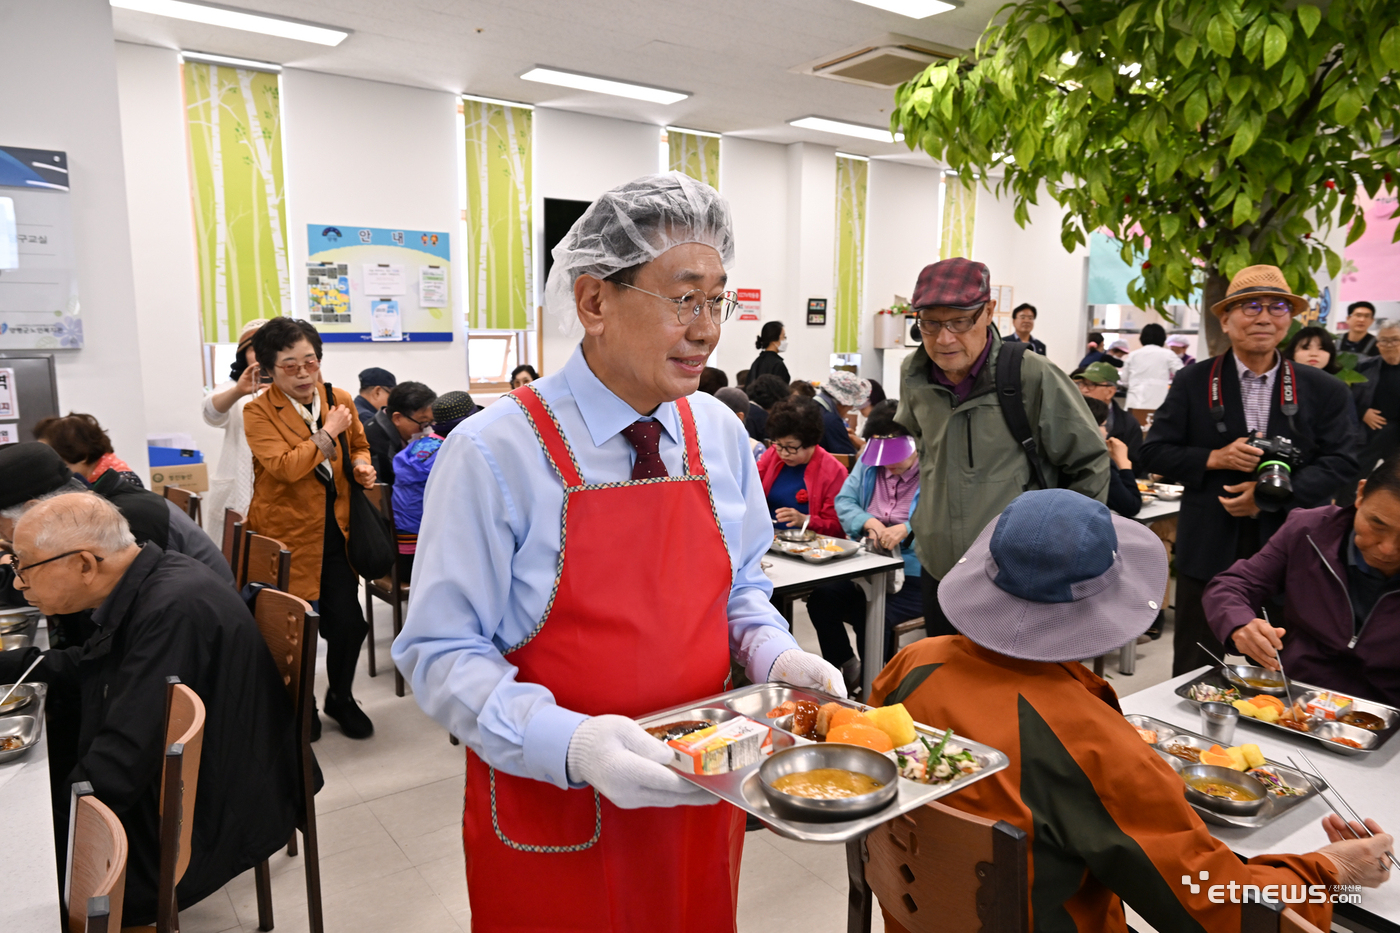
pixel 1056 577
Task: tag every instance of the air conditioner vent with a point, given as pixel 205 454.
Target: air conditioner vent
pixel 885 62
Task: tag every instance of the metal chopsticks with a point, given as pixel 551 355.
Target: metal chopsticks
pixel 1333 787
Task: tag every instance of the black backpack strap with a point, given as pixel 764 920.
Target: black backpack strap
pixel 1013 404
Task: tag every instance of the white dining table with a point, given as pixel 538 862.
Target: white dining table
pixel 1370 783
pixel 793 577
pixel 29 896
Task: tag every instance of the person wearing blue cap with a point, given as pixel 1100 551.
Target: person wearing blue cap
pixel 876 502
pixel 1054 579
pixel 375 386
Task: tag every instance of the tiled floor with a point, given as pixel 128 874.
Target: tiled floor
pixel 390 832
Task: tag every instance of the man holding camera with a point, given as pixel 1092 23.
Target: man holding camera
pixel 1251 436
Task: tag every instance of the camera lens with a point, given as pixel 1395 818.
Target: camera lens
pixel 1273 485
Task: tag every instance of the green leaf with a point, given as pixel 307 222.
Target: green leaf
pixel 1350 376
pixel 1334 263
pixel 1220 34
pixel 1125 19
pixel 1186 51
pixel 1358 227
pixel 1245 137
pixel 1169 225
pixel 1101 83
pixel 1036 36
pixel 1348 106
pixel 922 100
pixel 1237 87
pixel 1308 17
pixel 1390 48
pixel 1196 109
pixel 1242 210
pixel 1276 43
pixel 1293 328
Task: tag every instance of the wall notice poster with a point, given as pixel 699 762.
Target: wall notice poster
pixel 38 285
pixel 350 270
pixel 816 312
pixel 9 434
pixel 750 304
pixel 9 401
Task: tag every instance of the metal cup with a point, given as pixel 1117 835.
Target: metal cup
pixel 1218 722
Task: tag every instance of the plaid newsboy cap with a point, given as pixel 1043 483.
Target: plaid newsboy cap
pixel 953 283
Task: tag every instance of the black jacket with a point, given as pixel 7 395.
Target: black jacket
pixel 836 437
pixel 170 615
pixel 768 362
pixel 1184 433
pixel 1126 428
pixel 384 443
pixel 756 422
pixel 1364 393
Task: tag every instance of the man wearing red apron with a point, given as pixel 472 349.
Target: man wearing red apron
pixel 590 553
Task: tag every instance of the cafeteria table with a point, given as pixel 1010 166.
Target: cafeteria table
pixel 793 578
pixel 29 901
pixel 1368 782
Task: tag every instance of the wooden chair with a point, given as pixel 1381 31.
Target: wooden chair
pixel 1272 917
pixel 264 560
pixel 390 589
pixel 844 460
pixel 288 625
pixel 904 628
pixel 96 875
pixel 188 502
pixel 939 869
pixel 233 537
pixel 179 781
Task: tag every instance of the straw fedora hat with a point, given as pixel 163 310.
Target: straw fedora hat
pixel 1259 282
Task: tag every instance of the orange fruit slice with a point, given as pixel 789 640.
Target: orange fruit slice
pixel 1265 699
pixel 1216 758
pixel 857 733
pixel 843 717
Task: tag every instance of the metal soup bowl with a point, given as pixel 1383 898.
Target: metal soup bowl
pixel 795 535
pixel 1225 776
pixel 829 755
pixel 1236 674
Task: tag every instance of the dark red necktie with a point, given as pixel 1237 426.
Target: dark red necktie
pixel 645 436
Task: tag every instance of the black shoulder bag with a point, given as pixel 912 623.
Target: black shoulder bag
pixel 1013 404
pixel 370 546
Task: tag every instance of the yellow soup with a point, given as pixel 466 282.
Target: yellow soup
pixel 827 783
pixel 1220 789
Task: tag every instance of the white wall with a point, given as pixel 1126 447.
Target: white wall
pixel 375 155
pixel 163 250
pixel 811 256
pixel 1034 263
pixel 578 157
pixel 901 237
pixel 61 93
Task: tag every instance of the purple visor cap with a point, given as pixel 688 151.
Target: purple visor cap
pixel 882 451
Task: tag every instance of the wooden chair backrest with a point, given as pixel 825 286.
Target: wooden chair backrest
pixel 97 854
pixel 1273 917
pixel 936 868
pixel 184 742
pixel 188 502
pixel 282 620
pixel 266 561
pixel 233 532
pixel 844 460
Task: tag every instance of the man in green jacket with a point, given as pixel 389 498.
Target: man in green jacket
pixel 970 465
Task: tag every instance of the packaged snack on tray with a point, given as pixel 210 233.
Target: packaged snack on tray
pixel 727 747
pixel 1328 705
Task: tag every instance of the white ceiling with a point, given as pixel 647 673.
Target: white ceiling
pixel 734 56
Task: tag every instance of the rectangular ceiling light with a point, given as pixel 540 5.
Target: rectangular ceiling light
pixel 914 9
pixel 681 129
pixel 824 125
pixel 237 19
pixel 580 82
pixel 229 60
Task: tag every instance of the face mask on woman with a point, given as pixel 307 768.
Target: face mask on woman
pixel 782 345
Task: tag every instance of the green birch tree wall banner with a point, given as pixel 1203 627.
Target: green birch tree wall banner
pixel 694 154
pixel 1204 135
pixel 850 252
pixel 497 262
pixel 234 122
pixel 959 217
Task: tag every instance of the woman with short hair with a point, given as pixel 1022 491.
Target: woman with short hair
pixel 84 446
pixel 800 479
pixel 298 431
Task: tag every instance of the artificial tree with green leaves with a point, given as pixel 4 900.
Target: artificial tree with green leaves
pixel 1205 135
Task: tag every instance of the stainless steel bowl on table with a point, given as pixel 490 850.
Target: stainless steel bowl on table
pixel 1228 776
pixel 829 755
pixel 1265 681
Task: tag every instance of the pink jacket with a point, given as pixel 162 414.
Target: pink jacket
pixel 823 477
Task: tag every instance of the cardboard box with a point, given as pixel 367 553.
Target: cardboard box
pixel 194 477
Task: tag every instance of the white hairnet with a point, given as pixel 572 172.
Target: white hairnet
pixel 632 224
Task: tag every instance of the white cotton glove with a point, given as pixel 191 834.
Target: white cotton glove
pixel 802 669
pixel 628 766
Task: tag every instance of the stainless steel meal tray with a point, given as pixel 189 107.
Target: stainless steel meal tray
pixel 15 621
pixel 27 723
pixel 1216 678
pixel 1273 808
pixel 743 790
pixel 812 551
pixel 21 639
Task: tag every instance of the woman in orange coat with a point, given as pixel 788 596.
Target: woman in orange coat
pixel 297 430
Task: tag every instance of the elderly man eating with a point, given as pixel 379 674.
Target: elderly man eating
pixel 538 655
pixel 158 613
pixel 1056 578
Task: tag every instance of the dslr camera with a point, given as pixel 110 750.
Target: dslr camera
pixel 1273 480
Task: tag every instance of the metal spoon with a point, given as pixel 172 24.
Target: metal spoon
pixel 15 686
pixel 1356 816
pixel 805 522
pixel 1213 656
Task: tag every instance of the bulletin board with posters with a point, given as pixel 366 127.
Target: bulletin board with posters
pixel 376 284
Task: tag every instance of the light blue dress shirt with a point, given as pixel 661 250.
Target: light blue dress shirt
pixel 488 552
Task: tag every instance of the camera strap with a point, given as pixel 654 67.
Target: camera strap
pixel 1287 395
